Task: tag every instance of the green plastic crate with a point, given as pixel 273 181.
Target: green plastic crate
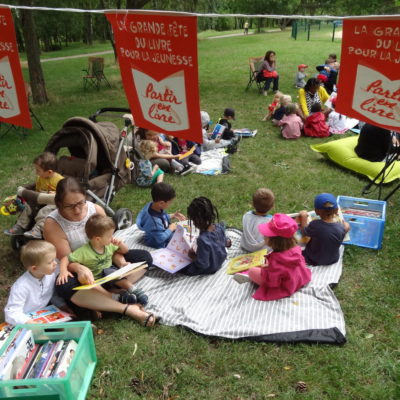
pixel 75 384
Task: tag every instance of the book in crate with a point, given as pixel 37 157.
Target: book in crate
pixel 25 359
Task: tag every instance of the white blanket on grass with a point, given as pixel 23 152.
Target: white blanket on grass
pixel 211 162
pixel 216 305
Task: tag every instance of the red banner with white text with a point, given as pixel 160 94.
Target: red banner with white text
pixel 157 55
pixel 369 82
pixel 14 107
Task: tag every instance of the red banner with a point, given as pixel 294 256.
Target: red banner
pixel 369 82
pixel 14 107
pixel 157 55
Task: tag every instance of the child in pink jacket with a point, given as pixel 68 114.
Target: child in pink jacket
pixel 291 124
pixel 284 271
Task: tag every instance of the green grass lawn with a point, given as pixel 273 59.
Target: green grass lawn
pixel 173 363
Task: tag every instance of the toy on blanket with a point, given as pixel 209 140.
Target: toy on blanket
pixel 12 205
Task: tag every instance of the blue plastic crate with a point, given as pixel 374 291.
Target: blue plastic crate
pixel 367 220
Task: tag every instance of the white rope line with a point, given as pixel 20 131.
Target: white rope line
pixel 269 16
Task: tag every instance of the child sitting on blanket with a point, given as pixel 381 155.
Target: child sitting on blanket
pixel 153 219
pixel 98 255
pixel 210 252
pixel 273 106
pixel 252 240
pixel 315 124
pixel 326 234
pixel 291 124
pixel 284 271
pixel 208 143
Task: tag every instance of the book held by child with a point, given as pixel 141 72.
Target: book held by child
pixel 246 261
pixel 175 256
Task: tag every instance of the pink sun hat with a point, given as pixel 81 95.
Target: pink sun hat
pixel 279 225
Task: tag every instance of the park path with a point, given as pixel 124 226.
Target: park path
pixel 99 53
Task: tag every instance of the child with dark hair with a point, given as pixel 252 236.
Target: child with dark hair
pixel 210 252
pixel 263 201
pixel 153 219
pixel 315 124
pixel 326 233
pixel 39 197
pixel 291 124
pixel 229 115
pixel 284 271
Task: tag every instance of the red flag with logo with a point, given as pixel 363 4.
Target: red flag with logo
pixel 157 54
pixel 369 82
pixel 14 108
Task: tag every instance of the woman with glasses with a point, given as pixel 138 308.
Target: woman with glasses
pixel 65 228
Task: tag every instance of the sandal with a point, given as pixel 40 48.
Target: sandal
pixel 149 321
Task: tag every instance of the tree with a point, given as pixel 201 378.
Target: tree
pixel 32 47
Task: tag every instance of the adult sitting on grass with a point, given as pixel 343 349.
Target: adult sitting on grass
pixel 312 93
pixel 65 229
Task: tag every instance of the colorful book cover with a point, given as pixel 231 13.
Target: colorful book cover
pixel 18 356
pixel 118 274
pixel 5 330
pixel 50 353
pixel 30 372
pixel 28 362
pixel 53 360
pixel 48 315
pixel 175 256
pixel 46 348
pixel 8 352
pixel 66 359
pixel 246 261
pixel 217 131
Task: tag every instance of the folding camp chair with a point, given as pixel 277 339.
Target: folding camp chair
pixel 94 73
pixel 254 66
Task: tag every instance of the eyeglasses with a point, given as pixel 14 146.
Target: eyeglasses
pixel 79 204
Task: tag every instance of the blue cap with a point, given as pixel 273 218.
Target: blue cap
pixel 325 201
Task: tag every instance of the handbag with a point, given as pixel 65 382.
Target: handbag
pixel 270 74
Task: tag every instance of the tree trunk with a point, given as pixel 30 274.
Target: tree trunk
pixel 36 77
pixel 87 29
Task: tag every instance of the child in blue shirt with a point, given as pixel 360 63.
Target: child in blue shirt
pixel 210 252
pixel 153 219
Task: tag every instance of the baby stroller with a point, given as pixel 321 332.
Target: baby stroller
pixel 95 153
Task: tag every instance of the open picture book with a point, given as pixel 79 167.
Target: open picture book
pixel 48 314
pixel 175 256
pixel 118 274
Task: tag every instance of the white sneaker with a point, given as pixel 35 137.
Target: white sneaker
pixel 34 233
pixel 239 277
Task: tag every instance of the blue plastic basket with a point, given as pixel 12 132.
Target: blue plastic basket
pixel 367 220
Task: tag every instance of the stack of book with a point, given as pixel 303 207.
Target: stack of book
pixel 25 359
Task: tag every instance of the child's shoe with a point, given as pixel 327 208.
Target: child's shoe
pixel 241 277
pixel 187 169
pixel 141 297
pixel 16 230
pixel 127 298
pixel 34 233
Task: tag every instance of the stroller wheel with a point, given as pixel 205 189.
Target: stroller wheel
pixel 17 242
pixel 123 218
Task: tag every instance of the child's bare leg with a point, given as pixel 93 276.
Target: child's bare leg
pixel 135 276
pixel 124 284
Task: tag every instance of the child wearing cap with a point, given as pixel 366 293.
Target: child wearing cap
pixel 299 79
pixel 326 234
pixel 284 271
